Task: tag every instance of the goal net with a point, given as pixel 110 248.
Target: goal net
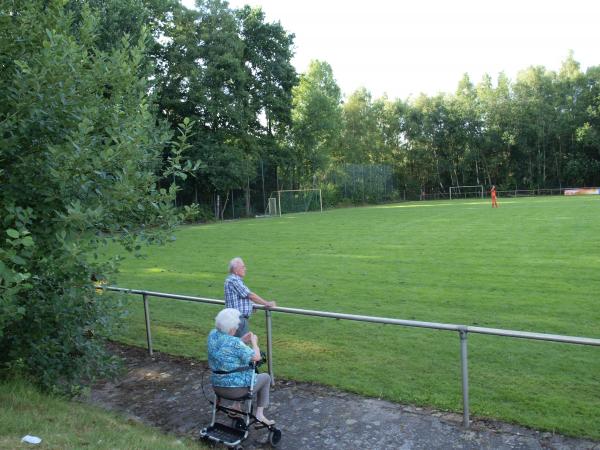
pixel 466 192
pixel 299 200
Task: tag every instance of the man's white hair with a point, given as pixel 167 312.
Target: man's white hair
pixel 228 319
pixel 235 262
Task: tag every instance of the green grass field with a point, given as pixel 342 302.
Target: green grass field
pixel 533 265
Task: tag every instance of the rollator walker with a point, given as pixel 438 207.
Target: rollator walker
pixel 237 431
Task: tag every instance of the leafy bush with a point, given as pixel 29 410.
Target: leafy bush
pixel 80 155
pixel 195 213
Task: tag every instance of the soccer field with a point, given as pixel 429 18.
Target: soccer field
pixel 533 264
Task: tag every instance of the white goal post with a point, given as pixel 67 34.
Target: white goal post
pixel 296 200
pixel 272 209
pixel 466 191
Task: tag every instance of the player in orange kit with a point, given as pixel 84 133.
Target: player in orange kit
pixel 493 192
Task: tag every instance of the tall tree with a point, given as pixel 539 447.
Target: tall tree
pixel 422 163
pixel 267 58
pixel 571 101
pixel 271 77
pixel 317 120
pixel 499 130
pixel 588 131
pixel 361 138
pixel 231 72
pixel 533 96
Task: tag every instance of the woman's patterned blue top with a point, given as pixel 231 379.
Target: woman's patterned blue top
pixel 226 352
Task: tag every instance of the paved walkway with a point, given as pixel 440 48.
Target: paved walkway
pixel 166 392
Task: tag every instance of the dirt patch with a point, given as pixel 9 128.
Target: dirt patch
pixel 166 391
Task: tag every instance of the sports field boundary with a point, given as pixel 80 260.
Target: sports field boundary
pixel 462 330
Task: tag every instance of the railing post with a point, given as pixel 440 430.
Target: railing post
pixel 464 365
pixel 269 345
pixel 147 317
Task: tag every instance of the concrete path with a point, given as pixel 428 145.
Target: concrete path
pixel 166 392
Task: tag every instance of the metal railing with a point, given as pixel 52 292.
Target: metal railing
pixel 463 331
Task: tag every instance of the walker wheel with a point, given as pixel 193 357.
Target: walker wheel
pixel 274 437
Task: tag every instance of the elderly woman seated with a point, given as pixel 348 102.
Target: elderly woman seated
pixel 226 353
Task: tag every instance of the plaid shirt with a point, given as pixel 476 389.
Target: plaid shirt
pixel 236 295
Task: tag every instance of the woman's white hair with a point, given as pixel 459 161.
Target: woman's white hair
pixel 228 319
pixel 235 262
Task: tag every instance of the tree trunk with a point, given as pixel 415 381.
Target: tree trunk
pixel 222 212
pixel 247 195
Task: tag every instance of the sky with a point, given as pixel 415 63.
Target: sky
pixel 402 48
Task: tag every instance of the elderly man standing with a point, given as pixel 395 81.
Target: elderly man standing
pixel 238 296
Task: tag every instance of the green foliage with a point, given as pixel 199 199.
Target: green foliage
pixel 259 129
pixel 15 256
pixel 268 51
pixel 81 156
pixel 196 213
pixel 361 138
pixel 317 120
pixel 231 72
pixel 588 133
pixel 539 131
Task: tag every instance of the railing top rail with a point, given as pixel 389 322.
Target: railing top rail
pixel 383 320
